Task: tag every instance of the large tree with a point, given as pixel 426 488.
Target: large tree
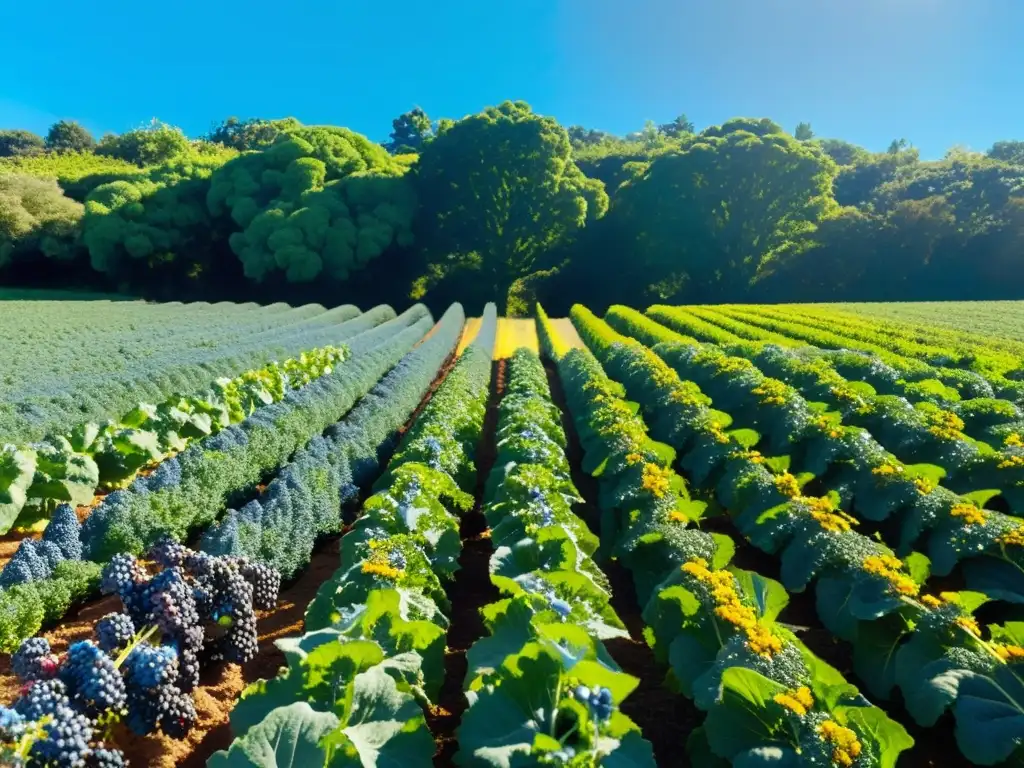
pixel 500 188
pixel 154 144
pixel 36 216
pixel 69 136
pixel 703 220
pixel 679 127
pixel 803 132
pixel 18 143
pixel 411 131
pixel 254 133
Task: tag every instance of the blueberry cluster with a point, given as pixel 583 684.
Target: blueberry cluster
pixel 59 705
pixel 144 662
pixel 598 701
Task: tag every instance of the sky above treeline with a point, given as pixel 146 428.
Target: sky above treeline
pixel 938 72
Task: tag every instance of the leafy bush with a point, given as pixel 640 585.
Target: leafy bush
pixel 78 173
pixel 19 143
pixel 155 144
pixel 35 215
pixel 320 201
pixel 69 136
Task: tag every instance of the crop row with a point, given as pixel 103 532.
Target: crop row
pixel 930 647
pixel 190 490
pixel 766 695
pixel 373 653
pixel 67 377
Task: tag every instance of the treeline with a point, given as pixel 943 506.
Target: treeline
pixel 510 206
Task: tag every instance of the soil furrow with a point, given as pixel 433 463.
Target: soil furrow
pixel 470 591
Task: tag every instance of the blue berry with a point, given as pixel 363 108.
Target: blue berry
pixel 150 667
pixel 92 679
pixel 33 660
pixel 114 632
pixel 42 698
pixel 66 740
pixel 582 694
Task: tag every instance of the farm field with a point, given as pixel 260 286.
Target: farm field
pixel 750 535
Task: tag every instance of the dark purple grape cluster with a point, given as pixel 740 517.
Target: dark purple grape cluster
pixel 114 632
pixel 145 661
pixel 33 660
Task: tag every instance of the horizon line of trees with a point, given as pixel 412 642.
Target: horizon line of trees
pixel 507 205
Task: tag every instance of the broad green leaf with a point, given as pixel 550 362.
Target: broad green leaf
pixel 746 717
pixel 17 470
pixel 768 595
pixel 990 715
pixel 289 737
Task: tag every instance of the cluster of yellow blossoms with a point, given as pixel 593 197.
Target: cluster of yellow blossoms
pixel 887 469
pixel 946 425
pixel 968 625
pixel 1014 440
pixel 1012 462
pixel 656 480
pixel 826 426
pixel 970 514
pixel 891 569
pixel 731 609
pixel 823 511
pixel 845 746
pixel 771 392
pixel 1013 538
pixel 377 564
pixel 798 701
pixel 924 485
pixel 787 485
pixel 725 365
pixel 634 458
pixel 718 433
pixel 1009 653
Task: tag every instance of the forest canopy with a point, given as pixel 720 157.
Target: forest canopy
pixel 510 206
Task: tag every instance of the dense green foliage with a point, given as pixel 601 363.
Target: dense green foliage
pixel 35 215
pixel 499 189
pixel 508 205
pixel 17 143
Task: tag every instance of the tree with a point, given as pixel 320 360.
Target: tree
pixel 1008 152
pixel 842 152
pixel 155 144
pixel 897 146
pixel 803 132
pixel 411 131
pixel 703 220
pixel 320 202
pixel 500 188
pixel 581 137
pixel 69 136
pixel 35 215
pixel 252 134
pixel 18 143
pixel 679 127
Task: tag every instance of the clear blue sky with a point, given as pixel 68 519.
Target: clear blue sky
pixel 939 72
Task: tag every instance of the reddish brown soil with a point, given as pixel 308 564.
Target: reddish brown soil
pixel 470 590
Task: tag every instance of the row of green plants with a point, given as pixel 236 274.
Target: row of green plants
pixel 952 366
pixel 768 699
pixel 930 647
pixel 189 491
pixel 372 658
pixel 541 684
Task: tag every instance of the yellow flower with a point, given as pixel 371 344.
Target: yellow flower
pixel 969 625
pixel 382 569
pixel 888 469
pixel 787 485
pixel 946 425
pixel 891 569
pixel 656 480
pixel 676 516
pixel 771 392
pixel 845 746
pixel 1014 440
pixel 1014 538
pixel 970 514
pixel 730 609
pixel 828 517
pixel 755 457
pixel 931 601
pixel 924 485
pixel 1009 652
pixel 1012 462
pixel 718 433
pixel 797 701
pixel 634 458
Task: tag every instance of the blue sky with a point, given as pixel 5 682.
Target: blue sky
pixel 938 72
